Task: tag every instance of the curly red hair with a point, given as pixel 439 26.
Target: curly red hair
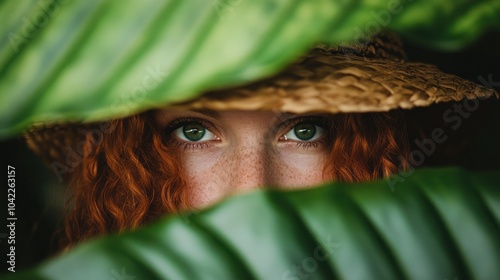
pixel 367 146
pixel 126 179
pixel 132 176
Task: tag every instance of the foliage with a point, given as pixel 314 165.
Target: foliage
pixel 438 224
pixel 90 60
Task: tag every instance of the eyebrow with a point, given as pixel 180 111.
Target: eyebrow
pixel 284 116
pixel 164 116
pixel 208 112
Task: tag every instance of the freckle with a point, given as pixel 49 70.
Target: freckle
pixel 223 165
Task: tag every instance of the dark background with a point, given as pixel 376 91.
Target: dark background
pixel 39 194
pixel 479 135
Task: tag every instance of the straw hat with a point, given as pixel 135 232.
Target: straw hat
pixel 369 76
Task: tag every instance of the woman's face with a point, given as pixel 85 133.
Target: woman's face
pixel 229 152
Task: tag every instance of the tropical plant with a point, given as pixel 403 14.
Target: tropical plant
pixel 440 223
pixel 88 60
pixel 72 60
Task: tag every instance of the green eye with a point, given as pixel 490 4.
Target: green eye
pixel 193 131
pixel 304 131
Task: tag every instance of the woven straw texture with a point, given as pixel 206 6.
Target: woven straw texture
pixel 334 83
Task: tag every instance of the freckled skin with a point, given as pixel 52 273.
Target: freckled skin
pixel 248 155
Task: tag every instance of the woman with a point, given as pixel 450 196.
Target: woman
pixel 318 120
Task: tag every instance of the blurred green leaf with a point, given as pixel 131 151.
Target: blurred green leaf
pixel 90 60
pixel 435 224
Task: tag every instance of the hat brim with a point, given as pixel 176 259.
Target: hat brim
pixel 335 83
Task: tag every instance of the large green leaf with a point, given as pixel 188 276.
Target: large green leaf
pixel 89 60
pixel 436 224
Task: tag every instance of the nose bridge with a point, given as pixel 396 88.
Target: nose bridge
pixel 250 167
